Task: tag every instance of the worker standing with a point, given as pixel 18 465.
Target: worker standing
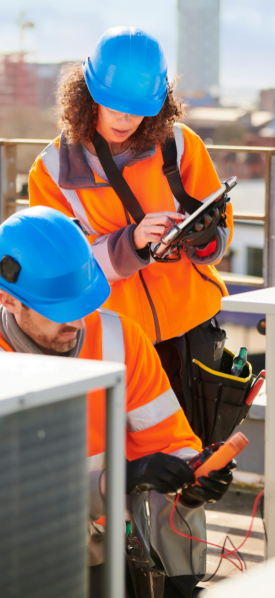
pixel 120 101
pixel 45 293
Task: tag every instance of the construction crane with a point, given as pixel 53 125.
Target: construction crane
pixel 23 25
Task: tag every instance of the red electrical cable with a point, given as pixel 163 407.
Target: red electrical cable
pixel 251 524
pixel 223 554
pixel 240 568
pixel 136 540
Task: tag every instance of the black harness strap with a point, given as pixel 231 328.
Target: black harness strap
pixel 171 171
pixel 122 189
pixel 116 179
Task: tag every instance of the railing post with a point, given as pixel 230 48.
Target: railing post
pixel 8 171
pixel 115 495
pixel 269 228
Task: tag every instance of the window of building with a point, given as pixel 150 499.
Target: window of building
pixel 254 261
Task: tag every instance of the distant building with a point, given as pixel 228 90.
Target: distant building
pixel 18 81
pixel 47 83
pixel 198 44
pixel 267 99
pixel 27 84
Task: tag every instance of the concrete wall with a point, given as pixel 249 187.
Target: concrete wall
pixel 251 459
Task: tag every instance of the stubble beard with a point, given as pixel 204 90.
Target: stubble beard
pixel 49 346
pixel 55 345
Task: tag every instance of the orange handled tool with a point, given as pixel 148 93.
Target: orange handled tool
pixel 225 453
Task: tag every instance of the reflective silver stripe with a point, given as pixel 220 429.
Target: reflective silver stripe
pixel 184 453
pixel 112 336
pixel 96 462
pixel 1 349
pixel 152 413
pixel 101 253
pixel 50 158
pixel 179 139
pixel 112 350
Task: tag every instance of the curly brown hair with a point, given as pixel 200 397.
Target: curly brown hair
pixel 77 112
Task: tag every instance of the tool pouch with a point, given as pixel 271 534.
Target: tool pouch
pixel 215 400
pixel 218 399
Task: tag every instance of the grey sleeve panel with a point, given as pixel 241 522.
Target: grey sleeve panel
pixel 174 550
pixel 96 502
pixel 117 256
pixel 123 256
pixel 221 237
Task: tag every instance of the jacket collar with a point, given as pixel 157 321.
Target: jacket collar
pixel 75 172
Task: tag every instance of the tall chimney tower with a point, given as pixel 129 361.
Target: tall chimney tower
pixel 198 44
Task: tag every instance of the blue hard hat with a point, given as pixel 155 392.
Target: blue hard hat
pixel 47 263
pixel 127 72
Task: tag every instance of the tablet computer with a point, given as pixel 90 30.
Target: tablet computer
pixel 187 224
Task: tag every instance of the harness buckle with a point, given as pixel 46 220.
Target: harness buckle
pixel 170 168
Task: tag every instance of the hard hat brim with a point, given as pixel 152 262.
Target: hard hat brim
pixel 74 308
pixel 113 100
pixel 78 307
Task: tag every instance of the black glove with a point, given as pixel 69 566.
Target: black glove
pixel 160 472
pixel 212 487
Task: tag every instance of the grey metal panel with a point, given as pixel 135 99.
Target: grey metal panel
pixel 28 381
pixel 252 458
pixel 43 502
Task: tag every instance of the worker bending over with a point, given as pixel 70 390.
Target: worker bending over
pixel 50 282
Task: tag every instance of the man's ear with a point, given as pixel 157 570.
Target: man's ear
pixel 9 302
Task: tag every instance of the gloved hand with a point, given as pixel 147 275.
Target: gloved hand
pixel 212 252
pixel 160 472
pixel 212 487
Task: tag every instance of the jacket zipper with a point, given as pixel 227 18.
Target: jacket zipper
pixel 153 309
pixel 208 279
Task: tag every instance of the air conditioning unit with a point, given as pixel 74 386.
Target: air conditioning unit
pixel 43 491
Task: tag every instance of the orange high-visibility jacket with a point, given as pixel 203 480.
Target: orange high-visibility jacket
pixel 4 346
pixel 154 421
pixel 165 299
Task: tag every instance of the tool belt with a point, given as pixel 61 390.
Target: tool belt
pixel 218 398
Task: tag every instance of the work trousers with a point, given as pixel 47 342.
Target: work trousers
pixel 172 354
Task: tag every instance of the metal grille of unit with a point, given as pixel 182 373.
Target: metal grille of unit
pixel 43 502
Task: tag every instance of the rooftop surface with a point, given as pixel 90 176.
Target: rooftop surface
pixel 232 515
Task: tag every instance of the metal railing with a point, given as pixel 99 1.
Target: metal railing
pixel 8 172
pixel 268 218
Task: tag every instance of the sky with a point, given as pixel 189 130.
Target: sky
pixel 68 30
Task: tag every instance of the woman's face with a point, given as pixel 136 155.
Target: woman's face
pixel 115 126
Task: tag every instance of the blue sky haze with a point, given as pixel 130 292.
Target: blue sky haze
pixel 66 30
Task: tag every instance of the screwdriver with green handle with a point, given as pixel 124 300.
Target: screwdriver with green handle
pixel 239 361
